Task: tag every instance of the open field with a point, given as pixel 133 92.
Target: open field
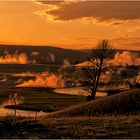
pixel 127 102
pixel 37 99
pixel 74 128
pixel 78 121
pixel 96 127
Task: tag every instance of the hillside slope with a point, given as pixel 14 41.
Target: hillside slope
pixel 124 103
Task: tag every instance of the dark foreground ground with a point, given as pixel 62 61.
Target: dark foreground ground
pixel 85 125
pixel 82 127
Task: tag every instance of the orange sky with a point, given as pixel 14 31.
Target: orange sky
pixel 77 25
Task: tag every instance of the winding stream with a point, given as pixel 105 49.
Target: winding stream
pixel 21 113
pixel 25 113
pixel 77 91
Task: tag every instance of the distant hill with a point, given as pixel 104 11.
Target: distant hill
pixel 46 53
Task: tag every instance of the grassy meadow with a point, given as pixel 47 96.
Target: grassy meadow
pixel 40 99
pixel 101 127
pixel 106 117
pixel 127 102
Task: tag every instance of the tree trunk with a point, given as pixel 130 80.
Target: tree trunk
pixel 15 111
pixel 93 85
pixel 97 80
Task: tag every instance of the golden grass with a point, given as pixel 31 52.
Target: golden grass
pixel 107 127
pixel 127 102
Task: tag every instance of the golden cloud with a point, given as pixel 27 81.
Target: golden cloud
pixel 115 12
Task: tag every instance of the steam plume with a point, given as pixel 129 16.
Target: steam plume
pixel 121 59
pixel 24 74
pixel 18 99
pixel 15 58
pixel 44 79
pixel 125 58
pixel 51 57
pixel 35 54
pixel 66 63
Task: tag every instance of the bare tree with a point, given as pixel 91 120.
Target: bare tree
pixel 98 57
pixel 16 99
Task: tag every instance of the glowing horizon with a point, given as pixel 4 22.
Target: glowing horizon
pixel 70 24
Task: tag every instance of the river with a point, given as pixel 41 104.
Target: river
pixel 77 91
pixel 21 113
pixel 25 113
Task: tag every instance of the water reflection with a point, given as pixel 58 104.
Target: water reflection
pixel 22 113
pixel 77 91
